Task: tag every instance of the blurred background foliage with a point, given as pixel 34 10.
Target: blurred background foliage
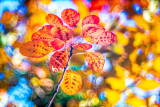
pixel 131 74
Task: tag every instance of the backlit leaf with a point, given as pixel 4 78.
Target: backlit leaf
pixel 95 60
pixel 91 19
pixel 35 49
pixel 47 28
pixel 148 84
pixel 63 33
pixel 43 35
pixel 71 83
pixel 112 96
pixel 104 38
pixel 116 83
pixel 89 30
pixel 58 61
pixel 70 17
pixel 134 101
pixel 83 46
pixel 54 20
pixel 57 44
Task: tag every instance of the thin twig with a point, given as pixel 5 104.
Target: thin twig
pixel 64 71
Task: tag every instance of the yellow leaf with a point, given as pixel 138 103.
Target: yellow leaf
pixel 135 102
pixel 141 22
pixel 116 83
pixel 136 68
pixel 133 55
pixel 155 73
pixel 139 39
pixel 112 96
pixel 122 39
pixel 156 64
pixel 148 84
pixel 46 1
pixel 120 71
pixel 119 49
pixel 71 83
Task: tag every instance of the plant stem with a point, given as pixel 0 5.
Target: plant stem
pixel 64 71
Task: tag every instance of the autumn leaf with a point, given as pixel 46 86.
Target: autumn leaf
pixel 104 39
pixel 135 101
pixel 95 60
pixel 43 34
pixel 83 46
pixel 63 33
pixel 58 61
pixel 112 96
pixel 71 83
pixel 70 17
pixel 35 49
pixel 54 20
pixel 116 83
pixel 91 30
pixel 57 44
pixel 91 19
pixel 47 28
pixel 148 84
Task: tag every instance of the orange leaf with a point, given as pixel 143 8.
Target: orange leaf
pixel 83 46
pixel 104 39
pixel 95 60
pixel 71 83
pixel 70 17
pixel 63 33
pixel 91 19
pixel 58 61
pixel 35 49
pixel 43 35
pixel 54 20
pixel 47 28
pixel 57 44
pixel 89 30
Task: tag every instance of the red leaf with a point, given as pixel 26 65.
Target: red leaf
pixel 58 61
pixel 83 46
pixel 43 35
pixel 57 44
pixel 95 61
pixel 91 19
pixel 70 17
pixel 54 20
pixel 63 33
pixel 104 39
pixel 89 30
pixel 47 28
pixel 35 49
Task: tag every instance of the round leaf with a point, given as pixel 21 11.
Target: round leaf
pixel 63 33
pixel 54 20
pixel 58 61
pixel 35 49
pixel 43 35
pixel 57 44
pixel 47 28
pixel 95 60
pixel 70 17
pixel 104 38
pixel 91 19
pixel 83 46
pixel 89 30
pixel 71 83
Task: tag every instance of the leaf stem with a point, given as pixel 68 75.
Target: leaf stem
pixel 64 71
